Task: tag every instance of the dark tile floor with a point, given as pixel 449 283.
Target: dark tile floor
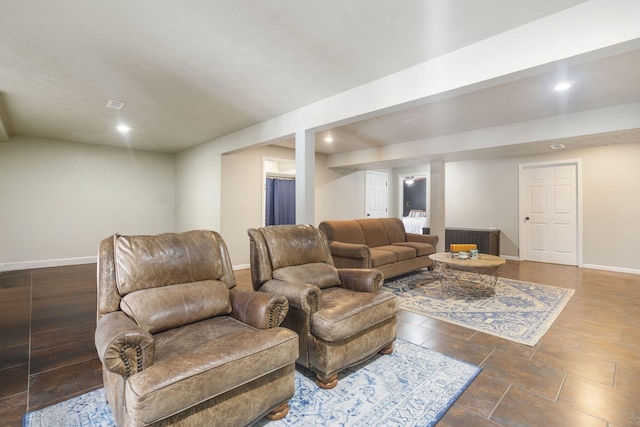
pixel 47 355
pixel 584 372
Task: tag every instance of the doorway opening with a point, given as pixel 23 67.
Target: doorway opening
pixel 278 191
pixel 412 197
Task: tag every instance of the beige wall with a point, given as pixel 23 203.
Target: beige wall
pixel 611 203
pixel 241 198
pixel 338 195
pixel 59 199
pixel 197 188
pixel 484 193
pixel 479 194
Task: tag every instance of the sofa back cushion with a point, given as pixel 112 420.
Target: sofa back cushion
pixel 145 262
pixel 394 227
pixel 168 307
pixel 292 245
pixel 347 231
pixel 374 232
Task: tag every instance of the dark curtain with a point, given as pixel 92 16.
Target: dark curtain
pixel 281 201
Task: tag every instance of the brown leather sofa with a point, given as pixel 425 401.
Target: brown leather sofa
pixel 380 243
pixel 341 315
pixel 179 344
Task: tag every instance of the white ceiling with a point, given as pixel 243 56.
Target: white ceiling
pixel 193 71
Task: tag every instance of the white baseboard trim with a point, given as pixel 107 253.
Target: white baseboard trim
pixel 510 257
pixel 28 265
pixel 610 268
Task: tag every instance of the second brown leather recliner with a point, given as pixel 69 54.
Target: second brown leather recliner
pixel 341 315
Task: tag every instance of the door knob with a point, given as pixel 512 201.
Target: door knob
pixel 526 218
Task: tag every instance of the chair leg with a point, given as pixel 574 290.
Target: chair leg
pixel 327 383
pixel 387 349
pixel 279 412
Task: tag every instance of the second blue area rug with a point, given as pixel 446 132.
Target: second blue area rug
pixel 413 386
pixel 518 311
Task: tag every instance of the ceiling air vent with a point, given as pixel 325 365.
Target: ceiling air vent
pixel 116 105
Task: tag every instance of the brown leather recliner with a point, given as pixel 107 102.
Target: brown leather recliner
pixel 179 345
pixel 341 315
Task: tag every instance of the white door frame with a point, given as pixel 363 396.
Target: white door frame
pixel 521 194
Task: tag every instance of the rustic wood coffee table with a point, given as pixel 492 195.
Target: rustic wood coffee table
pixel 475 277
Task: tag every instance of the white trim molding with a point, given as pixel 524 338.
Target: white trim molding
pixel 610 268
pixel 28 265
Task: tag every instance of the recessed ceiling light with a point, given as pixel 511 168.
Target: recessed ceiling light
pixel 328 139
pixel 562 86
pixel 124 128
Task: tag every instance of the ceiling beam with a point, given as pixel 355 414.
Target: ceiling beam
pixel 582 124
pixel 498 59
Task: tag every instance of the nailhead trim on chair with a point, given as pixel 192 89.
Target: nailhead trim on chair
pixel 125 359
pixel 274 315
pixel 312 300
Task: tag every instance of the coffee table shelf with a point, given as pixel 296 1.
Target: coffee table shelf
pixel 474 277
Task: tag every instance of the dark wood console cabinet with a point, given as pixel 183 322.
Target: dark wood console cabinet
pixel 488 241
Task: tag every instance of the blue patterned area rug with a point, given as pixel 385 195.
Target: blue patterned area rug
pixel 518 311
pixel 413 386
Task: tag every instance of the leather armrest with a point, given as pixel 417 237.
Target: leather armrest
pixel 123 347
pixel 259 309
pixel 349 250
pixel 303 296
pixel 360 279
pixel 423 238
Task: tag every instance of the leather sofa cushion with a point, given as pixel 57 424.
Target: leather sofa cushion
pixel 299 246
pixel 319 274
pixel 381 257
pixel 160 309
pixel 346 313
pixel 422 249
pixel 402 252
pixel 202 360
pixel 144 262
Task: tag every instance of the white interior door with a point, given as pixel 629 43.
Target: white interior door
pixel 376 198
pixel 549 214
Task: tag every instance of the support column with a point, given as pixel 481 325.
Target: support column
pixel 305 177
pixel 436 204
